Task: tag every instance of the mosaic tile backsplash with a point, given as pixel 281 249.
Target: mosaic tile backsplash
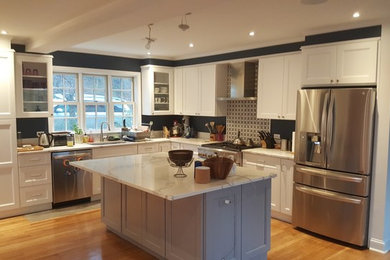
pixel 241 116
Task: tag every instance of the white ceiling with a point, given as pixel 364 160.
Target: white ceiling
pixel 118 27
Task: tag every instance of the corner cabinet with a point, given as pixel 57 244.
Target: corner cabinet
pixel 347 63
pixel 279 79
pixel 157 90
pixel 34 85
pixel 201 85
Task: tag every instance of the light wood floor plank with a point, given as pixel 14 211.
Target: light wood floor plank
pixel 84 236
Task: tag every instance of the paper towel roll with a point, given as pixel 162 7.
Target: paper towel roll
pixel 293 142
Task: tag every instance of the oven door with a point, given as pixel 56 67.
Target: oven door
pixel 206 152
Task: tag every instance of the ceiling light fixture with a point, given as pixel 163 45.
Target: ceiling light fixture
pixel 356 15
pixel 191 45
pixel 4 32
pixel 149 38
pixel 148 53
pixel 312 2
pixel 184 26
pixel 252 33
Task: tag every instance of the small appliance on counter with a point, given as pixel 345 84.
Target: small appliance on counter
pixel 59 138
pixel 45 139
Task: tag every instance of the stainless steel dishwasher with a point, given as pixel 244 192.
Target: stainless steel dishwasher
pixel 70 183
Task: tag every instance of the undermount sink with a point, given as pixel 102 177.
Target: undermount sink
pixel 108 142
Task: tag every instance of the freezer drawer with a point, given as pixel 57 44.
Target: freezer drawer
pixel 331 214
pixel 354 184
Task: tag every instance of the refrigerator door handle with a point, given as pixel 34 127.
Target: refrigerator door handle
pixel 329 130
pixel 328 174
pixel 327 195
pixel 323 118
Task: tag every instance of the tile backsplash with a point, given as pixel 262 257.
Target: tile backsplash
pixel 241 116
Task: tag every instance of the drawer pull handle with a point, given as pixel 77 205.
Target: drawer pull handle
pixel 227 202
pixel 36 175
pixel 36 195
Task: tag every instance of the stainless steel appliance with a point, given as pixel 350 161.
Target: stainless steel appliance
pixel 225 149
pixel 334 130
pixel 59 138
pixel 70 183
pixel 45 139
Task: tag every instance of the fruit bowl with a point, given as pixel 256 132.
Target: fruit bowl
pixel 180 159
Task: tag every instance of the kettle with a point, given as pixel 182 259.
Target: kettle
pixel 45 139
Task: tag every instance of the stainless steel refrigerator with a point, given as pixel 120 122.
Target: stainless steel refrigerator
pixel 334 136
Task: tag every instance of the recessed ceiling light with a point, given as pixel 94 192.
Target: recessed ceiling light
pixel 252 33
pixel 4 32
pixel 312 2
pixel 356 15
pixel 191 45
pixel 148 53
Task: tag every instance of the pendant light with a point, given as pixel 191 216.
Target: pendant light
pixel 184 26
pixel 149 38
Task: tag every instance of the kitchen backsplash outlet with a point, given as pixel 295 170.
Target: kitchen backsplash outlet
pixel 241 116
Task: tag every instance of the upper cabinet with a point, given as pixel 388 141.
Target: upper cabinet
pixel 349 63
pixel 279 78
pixel 7 85
pixel 157 90
pixel 34 85
pixel 178 91
pixel 200 87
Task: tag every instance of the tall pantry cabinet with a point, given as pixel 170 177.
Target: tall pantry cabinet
pixel 9 186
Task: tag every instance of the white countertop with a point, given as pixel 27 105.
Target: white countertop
pixel 151 173
pixel 194 141
pixel 271 152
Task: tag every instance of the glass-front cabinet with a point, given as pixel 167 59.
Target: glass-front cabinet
pixel 157 90
pixel 33 79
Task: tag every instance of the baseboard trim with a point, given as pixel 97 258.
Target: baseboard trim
pixel 25 210
pixel 281 216
pixel 379 245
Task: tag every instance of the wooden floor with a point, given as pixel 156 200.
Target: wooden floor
pixel 84 236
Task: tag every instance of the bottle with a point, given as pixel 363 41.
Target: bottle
pixel 20 142
pixel 69 140
pixel 85 138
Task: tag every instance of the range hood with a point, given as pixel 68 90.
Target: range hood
pixel 242 81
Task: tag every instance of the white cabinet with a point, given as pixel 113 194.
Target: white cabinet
pixel 164 147
pixel 9 183
pixel 33 85
pixel 35 179
pixel 148 148
pixel 185 146
pixel 348 63
pixel 279 79
pixel 282 184
pixel 157 90
pixel 201 86
pixel 178 91
pixel 7 85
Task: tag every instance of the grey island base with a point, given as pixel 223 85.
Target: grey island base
pixel 178 219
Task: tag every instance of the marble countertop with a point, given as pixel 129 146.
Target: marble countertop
pixel 151 173
pixel 195 141
pixel 271 152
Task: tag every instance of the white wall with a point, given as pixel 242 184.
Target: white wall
pixel 379 229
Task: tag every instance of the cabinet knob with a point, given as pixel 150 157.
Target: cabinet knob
pixel 228 202
pixel 282 116
pixel 278 116
pixel 331 81
pixel 337 81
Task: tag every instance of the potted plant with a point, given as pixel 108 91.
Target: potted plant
pixel 78 134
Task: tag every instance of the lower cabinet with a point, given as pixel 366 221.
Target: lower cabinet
pixel 148 148
pixel 232 223
pixel 282 184
pixel 164 147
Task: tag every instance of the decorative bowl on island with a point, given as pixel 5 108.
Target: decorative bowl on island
pixel 180 158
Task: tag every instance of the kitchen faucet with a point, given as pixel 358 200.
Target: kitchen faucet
pixel 101 130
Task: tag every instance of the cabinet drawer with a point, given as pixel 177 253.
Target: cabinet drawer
pixel 175 146
pixel 261 161
pixel 35 195
pixel 190 147
pixel 32 175
pixel 164 147
pixel 33 159
pixel 147 148
pixel 122 150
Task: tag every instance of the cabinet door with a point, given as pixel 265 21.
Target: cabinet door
pixel 147 148
pixel 154 223
pixel 190 91
pixel 9 186
pixel 178 91
pixel 207 90
pixel 319 65
pixel 286 186
pixel 357 62
pixel 175 146
pixel 164 147
pixel 292 82
pixel 192 147
pixel 111 204
pixel 7 84
pixel 222 239
pixel 269 96
pixel 34 85
pixel 132 222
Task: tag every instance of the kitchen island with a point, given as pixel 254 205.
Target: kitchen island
pixel 176 218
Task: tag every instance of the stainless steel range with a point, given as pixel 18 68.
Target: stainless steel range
pixel 225 149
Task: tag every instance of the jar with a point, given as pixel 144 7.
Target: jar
pixel 69 140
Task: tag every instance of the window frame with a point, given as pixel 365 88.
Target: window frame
pixel 108 74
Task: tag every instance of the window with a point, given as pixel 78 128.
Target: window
pixel 88 97
pixel 65 101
